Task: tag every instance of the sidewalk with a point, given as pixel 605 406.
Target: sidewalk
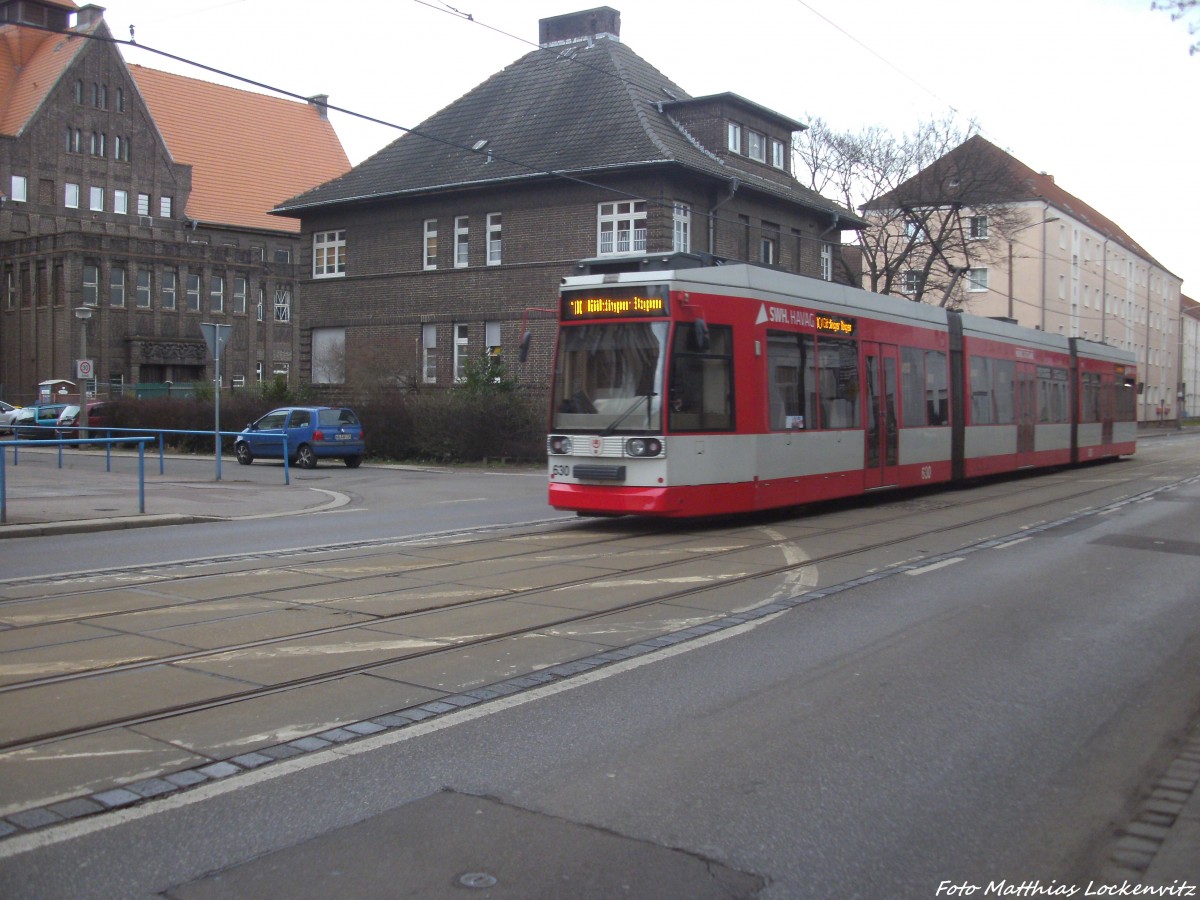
pixel 82 497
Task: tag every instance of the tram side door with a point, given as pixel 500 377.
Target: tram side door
pixel 1108 407
pixel 882 414
pixel 1026 399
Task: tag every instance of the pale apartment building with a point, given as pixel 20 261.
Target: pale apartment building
pixel 1032 252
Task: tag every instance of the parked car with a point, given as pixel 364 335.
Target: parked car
pixel 313 432
pixel 37 423
pixel 99 419
pixel 7 412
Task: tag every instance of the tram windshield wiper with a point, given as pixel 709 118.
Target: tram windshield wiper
pixel 612 426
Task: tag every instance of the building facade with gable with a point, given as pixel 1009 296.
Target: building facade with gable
pixel 450 242
pixel 124 224
pixel 1031 251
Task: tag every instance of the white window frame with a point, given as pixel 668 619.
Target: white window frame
pixel 121 202
pixel 911 282
pixel 116 286
pixel 681 227
pixel 978 228
pixel 429 245
pixel 168 285
pixel 71 195
pixel 216 293
pixel 283 304
pixel 429 353
pixel 495 240
pixel 621 227
pixel 143 289
pixel 164 207
pixel 329 254
pixel 733 137
pixel 143 204
pixel 462 241
pixel 756 145
pixel 192 291
pixel 20 189
pixel 462 349
pixel 261 302
pixel 768 250
pixel 826 261
pixel 96 199
pixel 240 288
pixel 91 285
pixel 778 154
pixel 977 280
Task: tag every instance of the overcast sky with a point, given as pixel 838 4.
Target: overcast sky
pixel 1102 94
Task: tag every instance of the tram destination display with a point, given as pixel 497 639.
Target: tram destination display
pixel 616 303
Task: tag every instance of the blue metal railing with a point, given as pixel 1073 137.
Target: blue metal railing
pixel 130 436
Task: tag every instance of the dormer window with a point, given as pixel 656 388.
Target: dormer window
pixel 756 146
pixel 735 137
pixel 778 154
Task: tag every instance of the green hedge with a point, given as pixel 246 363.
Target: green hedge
pixel 445 426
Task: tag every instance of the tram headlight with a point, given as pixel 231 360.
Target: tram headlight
pixel 560 445
pixel 643 447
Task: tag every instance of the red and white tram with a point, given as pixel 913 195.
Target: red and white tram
pixel 722 389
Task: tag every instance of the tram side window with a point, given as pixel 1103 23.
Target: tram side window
pixel 981 391
pixel 837 365
pixel 1052 395
pixel 701 380
pixel 924 387
pixel 791 381
pixel 1127 401
pixel 1089 397
pixel 1004 380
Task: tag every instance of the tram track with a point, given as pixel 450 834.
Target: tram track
pixel 589 542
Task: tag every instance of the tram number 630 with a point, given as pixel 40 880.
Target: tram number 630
pixel 560 470
pixel 926 473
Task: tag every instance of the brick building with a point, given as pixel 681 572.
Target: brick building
pixel 144 197
pixel 440 246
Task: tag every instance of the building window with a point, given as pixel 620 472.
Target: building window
pixel 622 227
pixel 74 140
pixel 977 280
pixel 912 282
pixel 462 242
pixel 78 91
pixel 121 148
pixel 239 294
pixel 767 250
pixel 258 371
pixel 494 223
pixel 281 256
pixel 779 154
pixel 329 254
pixel 71 196
pixel 429 354
pixel 283 305
pixel 430 256
pixel 216 293
pixel 97 199
pixel 121 202
pixel 756 146
pixel 914 231
pixel 261 302
pixel 116 286
pixel 91 285
pixel 120 100
pixel 10 291
pixel 734 140
pixel 143 206
pixel 979 227
pixel 461 351
pixel 20 189
pixel 827 261
pixel 168 290
pixel 143 288
pixel 328 355
pixel 164 207
pixel 193 292
pixel 681 219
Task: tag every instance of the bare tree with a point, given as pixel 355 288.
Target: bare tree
pixel 937 199
pixel 1182 9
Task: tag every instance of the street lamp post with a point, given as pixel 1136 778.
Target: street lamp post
pixel 1010 256
pixel 83 314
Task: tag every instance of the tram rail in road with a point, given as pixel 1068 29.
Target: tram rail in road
pixel 127 684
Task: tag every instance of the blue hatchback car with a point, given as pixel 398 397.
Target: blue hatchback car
pixel 313 432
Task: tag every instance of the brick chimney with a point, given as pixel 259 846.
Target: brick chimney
pixel 321 102
pixel 601 22
pixel 89 15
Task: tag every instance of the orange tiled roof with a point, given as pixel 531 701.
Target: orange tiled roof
pixel 248 152
pixel 31 62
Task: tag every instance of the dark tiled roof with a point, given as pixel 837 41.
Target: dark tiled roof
pixel 579 110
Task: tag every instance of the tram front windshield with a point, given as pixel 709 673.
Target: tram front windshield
pixel 608 378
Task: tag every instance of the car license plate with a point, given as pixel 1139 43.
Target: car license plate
pixel 343 437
